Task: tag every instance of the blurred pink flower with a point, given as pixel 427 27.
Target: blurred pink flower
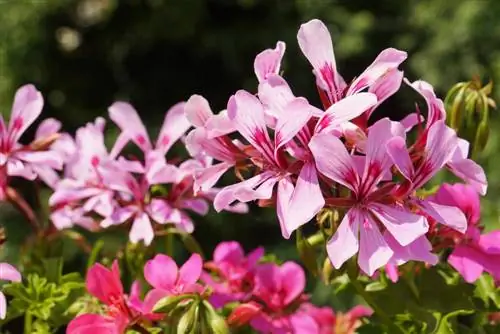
pixel 7 273
pixel 35 159
pixel 169 280
pixel 278 289
pixel 330 322
pixel 234 273
pixel 122 311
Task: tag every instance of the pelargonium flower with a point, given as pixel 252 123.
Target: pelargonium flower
pixel 169 280
pixel 35 159
pixel 7 273
pixel 382 77
pixel 280 290
pixel 234 273
pixel 121 311
pixel 473 252
pixel 369 210
pixel 336 322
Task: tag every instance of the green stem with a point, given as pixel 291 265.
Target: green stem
pixel 353 276
pixel 169 243
pixel 140 329
pixel 316 239
pixel 28 320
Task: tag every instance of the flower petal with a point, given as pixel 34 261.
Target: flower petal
pixel 333 160
pixel 396 149
pixel 275 94
pixel 128 120
pixel 9 273
pixel 161 272
pixel 435 107
pixel 93 324
pixel 468 262
pixel 197 110
pixel 174 126
pixel 269 61
pixel 141 229
pixel 373 250
pixel 190 271
pixel 298 113
pixel 293 281
pixel 344 243
pixel 448 215
pixel 306 199
pixel 403 225
pixel 3 306
pixel 27 106
pixel 471 172
pixel 105 284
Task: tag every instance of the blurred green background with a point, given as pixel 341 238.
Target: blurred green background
pixel 85 54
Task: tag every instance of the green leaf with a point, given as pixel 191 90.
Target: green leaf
pixel 487 291
pixel 213 320
pixel 188 320
pixel 53 268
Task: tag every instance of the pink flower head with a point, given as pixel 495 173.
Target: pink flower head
pixel 339 323
pixel 382 77
pixel 7 273
pixel 369 208
pixel 280 290
pixel 33 160
pixel 121 310
pixel 473 252
pixel 234 273
pixel 169 280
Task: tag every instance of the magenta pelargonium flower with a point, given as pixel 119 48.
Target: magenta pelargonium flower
pixel 474 252
pixel 121 310
pixel 7 273
pixel 36 160
pixel 278 289
pixel 330 321
pixel 232 274
pixel 167 279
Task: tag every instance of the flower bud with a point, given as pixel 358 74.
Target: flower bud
pixel 468 105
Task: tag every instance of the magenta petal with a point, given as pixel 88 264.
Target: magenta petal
pixel 229 251
pixel 471 172
pixel 104 283
pixel 404 226
pixel 373 250
pixel 190 271
pixel 435 107
pixel 161 272
pixel 344 243
pixel 468 262
pixel 490 242
pixel 9 273
pixel 386 86
pixel 174 127
pixel 448 215
pixel 303 323
pixel 306 199
pixel 93 324
pixel 293 281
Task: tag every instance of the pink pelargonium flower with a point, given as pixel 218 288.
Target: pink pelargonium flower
pixel 381 78
pixel 33 160
pixel 441 143
pixel 369 208
pixel 122 311
pixel 234 273
pixel 269 61
pixel 82 190
pixel 280 290
pixel 336 322
pixel 7 273
pixel 169 280
pixel 475 252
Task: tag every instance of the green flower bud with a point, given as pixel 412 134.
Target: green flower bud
pixel 468 105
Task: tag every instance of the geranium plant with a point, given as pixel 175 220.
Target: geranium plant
pixel 358 194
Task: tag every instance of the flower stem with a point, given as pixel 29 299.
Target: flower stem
pixel 28 319
pixel 138 328
pixel 169 239
pixel 353 277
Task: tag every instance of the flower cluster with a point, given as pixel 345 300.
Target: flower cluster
pixel 305 159
pixel 269 297
pixel 118 189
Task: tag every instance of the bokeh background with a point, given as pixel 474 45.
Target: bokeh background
pixel 85 54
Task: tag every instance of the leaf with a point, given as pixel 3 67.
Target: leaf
pixel 188 319
pixel 487 291
pixel 214 321
pixel 53 268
